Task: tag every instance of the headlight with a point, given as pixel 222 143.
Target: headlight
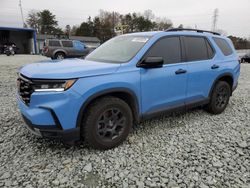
pixel 53 85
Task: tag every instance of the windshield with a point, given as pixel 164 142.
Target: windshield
pixel 120 49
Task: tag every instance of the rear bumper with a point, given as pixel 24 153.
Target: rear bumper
pixel 67 136
pixel 46 54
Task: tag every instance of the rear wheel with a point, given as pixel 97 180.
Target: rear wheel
pixel 59 55
pixel 107 123
pixel 219 98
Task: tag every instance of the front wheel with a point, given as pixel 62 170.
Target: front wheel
pixel 8 53
pixel 219 98
pixel 107 123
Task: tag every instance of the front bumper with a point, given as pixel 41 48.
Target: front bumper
pixel 67 136
pixel 52 114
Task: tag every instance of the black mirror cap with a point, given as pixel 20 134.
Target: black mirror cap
pixel 151 62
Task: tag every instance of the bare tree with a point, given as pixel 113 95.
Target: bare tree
pixel 163 23
pixel 148 14
pixel 181 26
pixel 73 30
pixel 33 20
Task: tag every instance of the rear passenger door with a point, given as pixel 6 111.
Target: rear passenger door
pixel 164 88
pixel 53 46
pixel 202 68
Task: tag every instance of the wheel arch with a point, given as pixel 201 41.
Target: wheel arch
pixel 227 77
pixel 123 93
pixel 59 50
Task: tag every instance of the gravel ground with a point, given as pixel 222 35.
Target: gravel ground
pixel 193 149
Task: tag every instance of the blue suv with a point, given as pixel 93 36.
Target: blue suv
pixel 126 80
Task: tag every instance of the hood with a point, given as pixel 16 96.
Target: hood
pixel 67 69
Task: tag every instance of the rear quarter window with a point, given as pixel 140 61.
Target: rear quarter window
pixel 224 46
pixel 67 44
pixel 54 43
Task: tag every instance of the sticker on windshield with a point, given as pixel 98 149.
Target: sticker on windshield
pixel 140 39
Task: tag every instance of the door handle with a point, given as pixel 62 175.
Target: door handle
pixel 215 66
pixel 180 71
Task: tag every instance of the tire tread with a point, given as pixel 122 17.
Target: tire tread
pixel 90 115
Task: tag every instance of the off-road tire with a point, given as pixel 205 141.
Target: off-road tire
pixel 218 103
pixel 90 129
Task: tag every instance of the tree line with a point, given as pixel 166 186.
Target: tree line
pixel 240 43
pixel 104 26
pixel 108 24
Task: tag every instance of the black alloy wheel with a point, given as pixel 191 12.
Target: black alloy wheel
pixel 106 123
pixel 111 124
pixel 219 98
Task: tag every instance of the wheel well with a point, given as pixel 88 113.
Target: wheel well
pixel 125 96
pixel 129 99
pixel 227 79
pixel 60 52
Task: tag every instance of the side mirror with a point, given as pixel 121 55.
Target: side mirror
pixel 152 62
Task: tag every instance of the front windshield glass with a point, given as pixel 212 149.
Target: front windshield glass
pixel 120 49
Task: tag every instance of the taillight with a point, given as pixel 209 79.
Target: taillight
pixel 45 49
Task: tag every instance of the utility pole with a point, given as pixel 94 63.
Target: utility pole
pixel 113 22
pixel 21 9
pixel 215 19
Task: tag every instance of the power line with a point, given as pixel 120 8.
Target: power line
pixel 215 19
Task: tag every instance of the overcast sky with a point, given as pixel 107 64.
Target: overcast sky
pixel 234 16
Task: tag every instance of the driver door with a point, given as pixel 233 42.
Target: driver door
pixel 164 88
pixel 80 49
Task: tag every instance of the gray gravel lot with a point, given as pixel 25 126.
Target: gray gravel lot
pixel 193 149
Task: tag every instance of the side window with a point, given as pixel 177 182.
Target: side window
pixel 197 48
pixel 67 43
pixel 224 46
pixel 169 48
pixel 54 43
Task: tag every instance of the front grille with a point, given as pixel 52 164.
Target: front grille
pixel 25 89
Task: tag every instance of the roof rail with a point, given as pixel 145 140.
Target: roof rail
pixel 197 30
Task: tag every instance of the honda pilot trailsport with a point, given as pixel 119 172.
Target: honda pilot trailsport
pixel 126 80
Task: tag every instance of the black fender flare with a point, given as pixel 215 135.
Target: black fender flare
pixel 217 79
pixel 107 92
